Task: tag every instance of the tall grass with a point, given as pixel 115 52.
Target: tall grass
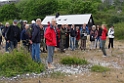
pixel 18 62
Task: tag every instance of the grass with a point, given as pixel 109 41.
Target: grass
pixel 73 61
pixel 18 62
pixel 57 75
pixel 98 68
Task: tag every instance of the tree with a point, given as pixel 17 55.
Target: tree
pixel 38 9
pixel 82 7
pixel 8 11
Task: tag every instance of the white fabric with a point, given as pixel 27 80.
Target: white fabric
pixel 111 33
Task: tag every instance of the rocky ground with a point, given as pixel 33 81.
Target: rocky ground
pixel 79 74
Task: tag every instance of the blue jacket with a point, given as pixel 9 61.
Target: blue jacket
pixel 36 34
pixel 87 29
pixel 24 35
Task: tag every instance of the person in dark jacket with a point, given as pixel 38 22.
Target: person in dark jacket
pixel 62 38
pixel 5 31
pixel 83 35
pixel 35 41
pixel 98 37
pixel 14 34
pixel 67 36
pixel 25 37
pixel 73 34
pixel 42 38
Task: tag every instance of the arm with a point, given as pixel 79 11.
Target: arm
pixel 34 33
pixel 48 35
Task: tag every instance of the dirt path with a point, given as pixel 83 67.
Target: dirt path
pixel 115 61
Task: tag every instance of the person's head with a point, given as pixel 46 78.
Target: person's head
pixel 66 25
pixel 0 23
pixel 63 26
pixel 93 27
pixel 73 26
pixel 38 21
pixel 97 27
pixel 53 22
pixel 15 22
pixel 41 26
pixel 33 22
pixel 25 22
pixel 84 25
pixel 27 26
pixel 77 28
pixel 112 27
pixel 103 26
pixel 7 24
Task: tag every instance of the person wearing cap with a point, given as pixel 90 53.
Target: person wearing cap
pixel 14 34
pixel 23 25
pixel 93 37
pixel 35 41
pixel 5 32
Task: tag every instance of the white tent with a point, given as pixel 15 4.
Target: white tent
pixel 70 19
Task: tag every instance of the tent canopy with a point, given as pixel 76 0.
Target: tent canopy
pixel 69 19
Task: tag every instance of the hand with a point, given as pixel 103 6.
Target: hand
pixel 30 41
pixel 8 41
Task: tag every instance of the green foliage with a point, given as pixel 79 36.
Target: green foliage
pixel 98 68
pixel 119 31
pixel 8 11
pixel 73 61
pixel 18 62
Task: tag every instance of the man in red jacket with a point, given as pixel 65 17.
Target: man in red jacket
pixel 103 39
pixel 51 42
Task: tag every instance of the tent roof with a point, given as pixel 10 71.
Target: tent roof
pixel 69 19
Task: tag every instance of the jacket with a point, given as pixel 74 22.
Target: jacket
pixel 50 36
pixel 36 34
pixel 83 34
pixel 63 33
pixel 99 32
pixel 78 35
pixel 73 32
pixel 104 34
pixel 111 33
pixel 5 31
pixel 13 33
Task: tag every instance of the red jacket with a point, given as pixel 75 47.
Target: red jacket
pixel 50 36
pixel 104 34
pixel 78 35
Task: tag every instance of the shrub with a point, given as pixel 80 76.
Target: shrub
pixel 73 61
pixel 119 31
pixel 18 62
pixel 98 68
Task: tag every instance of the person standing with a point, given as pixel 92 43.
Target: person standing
pixel 35 41
pixel 77 37
pixel 67 36
pixel 62 38
pixel 93 37
pixel 103 39
pixel 14 35
pixel 111 37
pixel 51 42
pixel 98 37
pixel 83 35
pixel 73 34
pixel 5 31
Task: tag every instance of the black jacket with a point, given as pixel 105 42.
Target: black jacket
pixel 13 33
pixel 100 32
pixel 36 34
pixel 73 33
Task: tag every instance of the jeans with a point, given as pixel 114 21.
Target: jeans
pixel 103 47
pixel 110 43
pixel 72 42
pixel 50 53
pixel 15 43
pixel 9 46
pixel 36 52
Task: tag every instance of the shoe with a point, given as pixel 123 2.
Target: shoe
pixel 104 56
pixel 50 66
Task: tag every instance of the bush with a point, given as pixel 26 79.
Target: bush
pixel 119 31
pixel 98 68
pixel 18 62
pixel 73 61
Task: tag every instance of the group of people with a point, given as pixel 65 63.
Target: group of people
pixel 35 36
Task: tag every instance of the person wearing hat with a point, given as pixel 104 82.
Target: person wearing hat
pixel 13 34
